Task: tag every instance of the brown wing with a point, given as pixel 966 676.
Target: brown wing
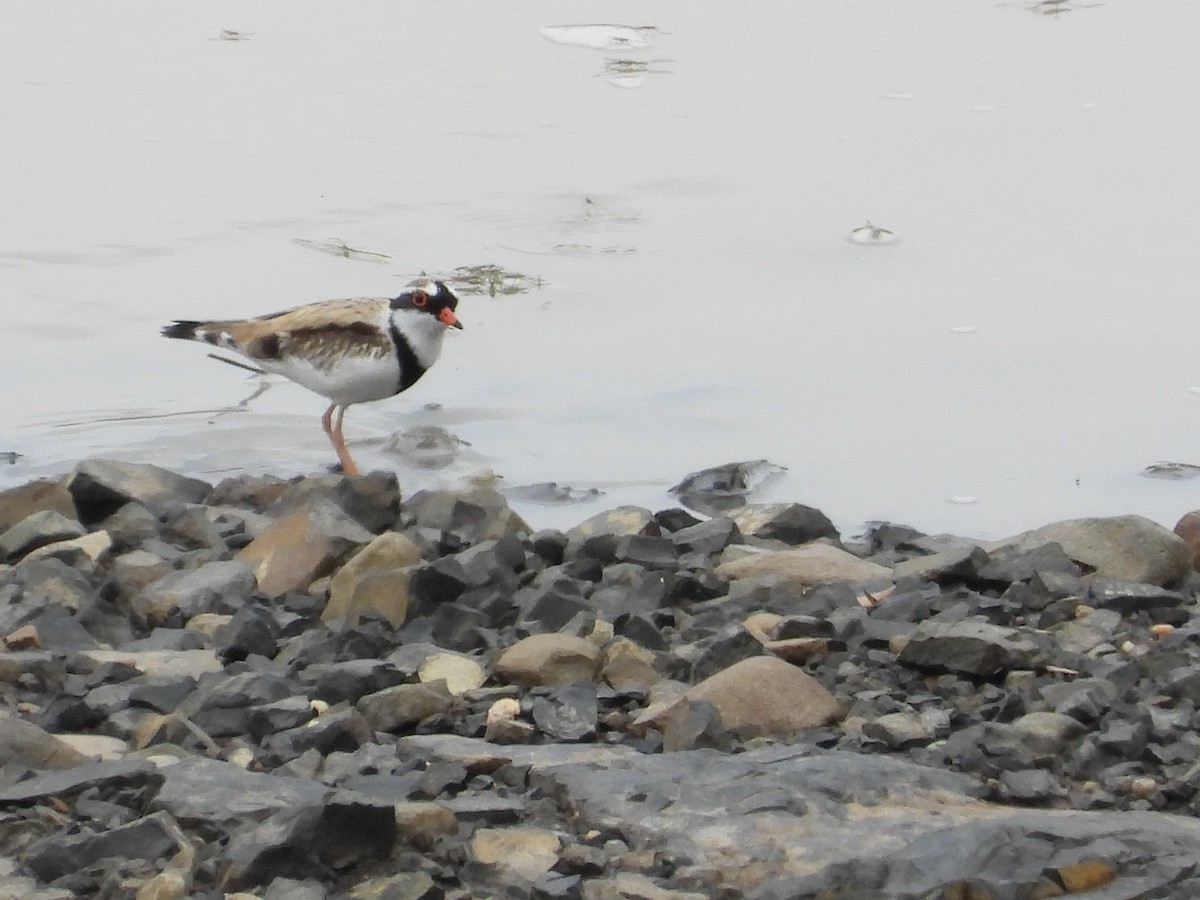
pixel 318 332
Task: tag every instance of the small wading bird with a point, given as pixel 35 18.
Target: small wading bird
pixel 350 351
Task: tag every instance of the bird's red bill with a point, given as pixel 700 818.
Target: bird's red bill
pixel 448 318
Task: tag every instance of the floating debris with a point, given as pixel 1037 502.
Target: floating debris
pixel 601 37
pixel 628 73
pixel 725 487
pixel 963 499
pixel 963 329
pixel 551 492
pixel 487 279
pixel 228 34
pixel 871 234
pixel 1172 471
pixel 338 247
pixel 9 457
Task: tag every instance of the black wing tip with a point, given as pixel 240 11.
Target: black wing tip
pixel 184 330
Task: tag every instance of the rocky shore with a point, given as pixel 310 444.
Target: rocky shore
pixel 316 687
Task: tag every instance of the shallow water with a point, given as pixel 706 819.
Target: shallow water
pixel 680 193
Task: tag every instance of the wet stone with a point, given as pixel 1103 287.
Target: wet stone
pixel 37 530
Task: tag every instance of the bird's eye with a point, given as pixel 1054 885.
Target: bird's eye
pixel 420 298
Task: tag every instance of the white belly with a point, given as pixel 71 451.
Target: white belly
pixel 352 379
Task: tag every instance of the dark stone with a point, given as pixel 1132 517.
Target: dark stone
pixel 311 840
pixel 792 523
pixel 711 536
pixel 441 581
pixel 1130 598
pixel 641 629
pixel 565 712
pixel 675 519
pixel 550 545
pixel 343 730
pixel 1012 564
pixel 100 487
pixel 99 777
pixel 970 647
pixel 627 589
pixel 251 630
pixel 733 644
pixel 350 679
pixel 149 838
pixel 551 601
pixel 130 526
pixel 270 718
pixel 646 551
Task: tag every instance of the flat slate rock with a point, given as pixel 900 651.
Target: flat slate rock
pixel 130 771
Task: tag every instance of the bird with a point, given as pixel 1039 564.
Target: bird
pixel 348 351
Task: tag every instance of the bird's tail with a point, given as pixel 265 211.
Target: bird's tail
pixel 209 332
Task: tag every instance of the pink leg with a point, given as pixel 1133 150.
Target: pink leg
pixel 333 430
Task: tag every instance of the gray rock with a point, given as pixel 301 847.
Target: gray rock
pixel 404 705
pixel 792 523
pixel 1129 598
pixel 957 565
pixel 1129 548
pixel 711 536
pixel 37 530
pixel 901 730
pixel 461 518
pixel 343 730
pixel 596 537
pixel 970 647
pixel 26 744
pixel 95 776
pixel 175 598
pixel 372 500
pixel 223 795
pixel 565 712
pixel 306 840
pixel 149 838
pixel 100 487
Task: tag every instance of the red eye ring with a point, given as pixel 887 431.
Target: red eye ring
pixel 419 298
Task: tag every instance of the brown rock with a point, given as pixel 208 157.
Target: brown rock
pixel 522 852
pixel 628 666
pixel 20 502
pixel 1087 875
pixel 805 565
pixel 301 547
pixel 23 638
pixel 1188 528
pixel 421 823
pixel 374 580
pixel 765 696
pixel 549 659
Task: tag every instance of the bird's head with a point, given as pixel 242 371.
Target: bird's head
pixel 432 297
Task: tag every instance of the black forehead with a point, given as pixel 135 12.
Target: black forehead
pixel 442 298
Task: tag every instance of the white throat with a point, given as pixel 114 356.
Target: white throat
pixel 423 332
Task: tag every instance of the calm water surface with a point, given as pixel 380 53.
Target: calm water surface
pixel 679 193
